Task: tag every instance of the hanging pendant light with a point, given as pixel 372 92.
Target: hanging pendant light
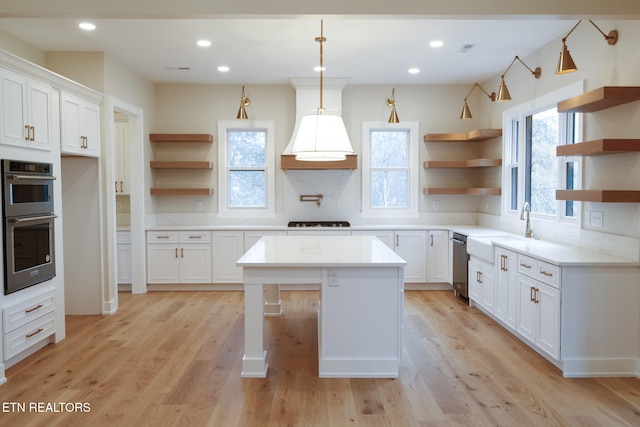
pixel 321 136
pixel 391 102
pixel 244 102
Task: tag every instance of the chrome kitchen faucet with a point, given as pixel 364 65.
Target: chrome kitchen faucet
pixel 528 232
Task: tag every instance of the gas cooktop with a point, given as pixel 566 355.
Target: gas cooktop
pixel 333 224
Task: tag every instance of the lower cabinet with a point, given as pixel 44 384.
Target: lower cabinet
pixel 506 287
pixel 438 269
pixel 482 283
pixel 123 239
pixel 228 247
pixel 411 245
pixel 179 257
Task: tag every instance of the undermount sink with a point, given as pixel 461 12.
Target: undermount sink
pixel 482 246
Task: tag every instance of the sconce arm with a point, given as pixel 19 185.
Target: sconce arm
pixel 491 96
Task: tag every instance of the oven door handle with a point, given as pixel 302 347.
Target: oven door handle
pixel 34 218
pixel 33 177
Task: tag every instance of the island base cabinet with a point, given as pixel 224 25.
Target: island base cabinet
pixel 538 315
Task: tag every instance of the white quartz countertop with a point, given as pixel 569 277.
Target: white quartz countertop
pixel 320 251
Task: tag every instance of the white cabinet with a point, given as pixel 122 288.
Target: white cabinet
pixel 387 236
pixel 80 126
pixel 179 257
pixel 122 159
pixel 506 287
pixel 482 283
pixel 438 256
pixel 538 309
pixel 228 247
pixel 26 116
pixel 411 245
pixel 123 240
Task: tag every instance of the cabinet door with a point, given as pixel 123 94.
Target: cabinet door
pixel 506 287
pixel 438 256
pixel 228 247
pixel 124 263
pixel 80 126
pixel 122 160
pixel 475 289
pixel 91 128
pixel 39 96
pixel 487 282
pixel 195 263
pixel 387 236
pixel 526 312
pixel 548 304
pixel 411 245
pixel 163 263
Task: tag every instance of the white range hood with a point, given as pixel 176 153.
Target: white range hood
pixel 307 102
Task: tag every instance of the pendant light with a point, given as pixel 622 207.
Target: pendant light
pixel 321 136
pixel 391 102
pixel 244 102
pixel 466 112
pixel 503 92
pixel 565 63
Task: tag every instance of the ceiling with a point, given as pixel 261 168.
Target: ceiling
pixel 271 51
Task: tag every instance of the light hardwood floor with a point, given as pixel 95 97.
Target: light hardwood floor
pixel 174 359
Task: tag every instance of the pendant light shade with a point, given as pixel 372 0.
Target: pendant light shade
pixel 321 137
pixel 244 102
pixel 565 63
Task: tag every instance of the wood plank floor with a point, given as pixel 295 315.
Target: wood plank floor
pixel 174 359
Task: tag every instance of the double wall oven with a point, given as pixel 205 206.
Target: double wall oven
pixel 28 224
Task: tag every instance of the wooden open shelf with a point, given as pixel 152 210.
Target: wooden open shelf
pixel 155 164
pixel 605 196
pixel 463 191
pixel 474 135
pixel 182 191
pixel 289 162
pixel 180 137
pixel 600 99
pixel 473 163
pixel 598 147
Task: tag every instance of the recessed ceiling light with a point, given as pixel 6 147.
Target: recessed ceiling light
pixel 223 68
pixel 318 68
pixel 87 26
pixel 436 43
pixel 414 70
pixel 203 43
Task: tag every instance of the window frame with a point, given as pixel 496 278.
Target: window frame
pixel 411 211
pixel 224 127
pixel 559 222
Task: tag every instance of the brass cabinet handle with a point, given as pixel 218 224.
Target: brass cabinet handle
pixel 28 133
pixel 181 252
pixel 116 186
pixel 546 273
pixel 34 333
pixel 431 240
pixel 162 237
pixel 29 310
pixel 176 252
pixel 522 264
pixel 121 186
pixel 32 137
pixel 531 290
pixel 536 294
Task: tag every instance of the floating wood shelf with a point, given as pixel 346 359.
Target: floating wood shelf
pixel 180 137
pixel 600 99
pixel 473 163
pixel 464 191
pixel 289 162
pixel 181 191
pixel 611 196
pixel 599 146
pixel 474 135
pixel 180 165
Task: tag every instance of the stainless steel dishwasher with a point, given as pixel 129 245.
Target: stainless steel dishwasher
pixel 460 265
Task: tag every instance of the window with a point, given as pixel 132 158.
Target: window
pixel 246 168
pixel 533 172
pixel 390 177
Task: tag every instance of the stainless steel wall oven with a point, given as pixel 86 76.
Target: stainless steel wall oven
pixel 28 224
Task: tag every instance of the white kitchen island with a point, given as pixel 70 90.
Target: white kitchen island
pixel 360 308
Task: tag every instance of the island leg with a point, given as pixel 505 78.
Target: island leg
pixel 254 360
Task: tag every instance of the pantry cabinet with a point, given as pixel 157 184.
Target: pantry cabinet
pixel 179 257
pixel 26 117
pixel 80 126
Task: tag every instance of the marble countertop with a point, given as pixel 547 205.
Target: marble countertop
pixel 320 251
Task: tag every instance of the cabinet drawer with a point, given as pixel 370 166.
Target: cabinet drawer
pixel 195 237
pixel 21 313
pixel 528 266
pixel 548 273
pixel 29 334
pixel 163 237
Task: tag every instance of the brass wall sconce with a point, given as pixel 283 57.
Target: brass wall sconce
pixel 565 63
pixel 503 92
pixel 391 102
pixel 244 102
pixel 466 113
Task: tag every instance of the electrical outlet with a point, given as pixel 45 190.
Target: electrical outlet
pixel 118 206
pixel 597 219
pixel 279 205
pixel 436 205
pixel 198 205
pixel 334 278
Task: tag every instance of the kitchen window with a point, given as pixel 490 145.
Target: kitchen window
pixel 532 171
pixel 390 174
pixel 246 172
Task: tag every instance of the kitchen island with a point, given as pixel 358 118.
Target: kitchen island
pixel 360 307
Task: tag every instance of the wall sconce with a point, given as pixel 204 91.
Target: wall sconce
pixel 565 63
pixel 466 113
pixel 244 101
pixel 391 102
pixel 503 92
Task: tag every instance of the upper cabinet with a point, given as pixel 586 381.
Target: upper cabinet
pixel 25 112
pixel 80 126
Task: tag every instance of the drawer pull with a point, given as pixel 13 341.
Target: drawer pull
pixel 34 333
pixel 546 273
pixel 162 237
pixel 195 237
pixel 522 264
pixel 531 296
pixel 39 306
